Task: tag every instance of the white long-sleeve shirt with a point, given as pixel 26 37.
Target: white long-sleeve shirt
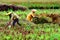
pixel 14 16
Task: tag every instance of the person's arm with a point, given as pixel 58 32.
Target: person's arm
pixel 34 15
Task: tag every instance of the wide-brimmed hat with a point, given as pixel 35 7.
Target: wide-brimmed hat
pixel 34 10
pixel 9 13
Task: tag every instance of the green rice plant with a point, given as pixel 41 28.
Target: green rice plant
pixel 55 36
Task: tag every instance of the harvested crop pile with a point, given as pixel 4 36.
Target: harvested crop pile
pixel 47 18
pixel 55 18
pixel 37 20
pixel 5 7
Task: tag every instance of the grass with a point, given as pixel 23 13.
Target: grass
pixel 29 0
pixel 29 30
pixel 29 4
pixel 33 4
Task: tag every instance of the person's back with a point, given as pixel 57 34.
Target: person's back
pixel 14 16
pixel 29 16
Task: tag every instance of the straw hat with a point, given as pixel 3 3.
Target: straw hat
pixel 9 13
pixel 34 10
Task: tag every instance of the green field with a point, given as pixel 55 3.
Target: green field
pixel 32 4
pixel 29 30
pixel 29 1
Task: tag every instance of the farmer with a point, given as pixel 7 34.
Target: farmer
pixel 14 18
pixel 31 15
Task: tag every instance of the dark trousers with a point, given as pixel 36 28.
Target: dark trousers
pixel 16 21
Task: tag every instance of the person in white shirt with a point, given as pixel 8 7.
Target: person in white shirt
pixel 14 18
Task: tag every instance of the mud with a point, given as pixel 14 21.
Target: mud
pixel 4 7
